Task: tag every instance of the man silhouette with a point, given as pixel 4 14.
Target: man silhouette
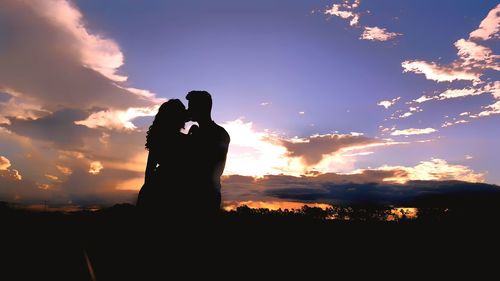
pixel 210 143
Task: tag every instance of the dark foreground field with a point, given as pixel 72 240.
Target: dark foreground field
pixel 118 244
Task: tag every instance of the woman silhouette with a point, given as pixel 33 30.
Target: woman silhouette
pixel 167 161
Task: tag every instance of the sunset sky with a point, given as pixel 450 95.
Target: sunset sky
pixel 325 101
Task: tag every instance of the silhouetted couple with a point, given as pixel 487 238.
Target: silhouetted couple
pixel 183 170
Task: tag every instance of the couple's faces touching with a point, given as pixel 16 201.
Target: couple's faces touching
pixel 194 111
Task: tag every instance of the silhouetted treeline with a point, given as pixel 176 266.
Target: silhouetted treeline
pixel 119 244
pixel 362 213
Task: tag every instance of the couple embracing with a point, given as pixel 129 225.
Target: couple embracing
pixel 183 170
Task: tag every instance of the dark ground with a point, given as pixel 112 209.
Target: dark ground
pixel 246 244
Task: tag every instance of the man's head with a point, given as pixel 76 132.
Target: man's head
pixel 199 105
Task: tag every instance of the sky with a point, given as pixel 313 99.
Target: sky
pixel 316 95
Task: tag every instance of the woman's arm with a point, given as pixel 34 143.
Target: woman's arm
pixel 150 167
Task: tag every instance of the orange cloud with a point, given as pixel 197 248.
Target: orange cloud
pixel 435 169
pixel 117 119
pixel 6 172
pixel 95 167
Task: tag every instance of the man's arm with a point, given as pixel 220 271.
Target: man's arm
pixel 221 153
pixel 150 167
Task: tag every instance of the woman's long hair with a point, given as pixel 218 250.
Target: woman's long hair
pixel 169 120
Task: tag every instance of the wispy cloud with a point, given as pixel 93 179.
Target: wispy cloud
pixel 347 10
pixel 413 131
pixel 473 59
pixel 473 62
pixel 454 122
pixel 439 73
pixel 488 110
pixel 388 103
pixel 378 34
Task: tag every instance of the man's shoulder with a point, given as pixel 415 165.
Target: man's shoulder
pixel 221 132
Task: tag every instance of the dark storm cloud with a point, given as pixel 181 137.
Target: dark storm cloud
pixel 359 189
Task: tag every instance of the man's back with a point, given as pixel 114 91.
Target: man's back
pixel 211 143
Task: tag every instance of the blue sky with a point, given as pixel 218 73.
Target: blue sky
pixel 254 52
pixel 247 53
pixel 290 68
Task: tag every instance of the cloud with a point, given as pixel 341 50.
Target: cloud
pixel 56 146
pixel 491 109
pixel 259 153
pixel 95 167
pixel 57 128
pixel 413 131
pixel 5 172
pixel 473 55
pixel 492 88
pixel 11 107
pixel 377 34
pixel 64 170
pixel 347 11
pixel 52 177
pixel 423 98
pixel 435 169
pixel 388 103
pixel 4 163
pixel 472 65
pixel 383 185
pixel 457 93
pixel 411 111
pixel 48 40
pixel 64 104
pixel 313 149
pixel 473 59
pixel 489 27
pixel 98 53
pixel 117 119
pixel 413 194
pixel 448 123
pixel 439 73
